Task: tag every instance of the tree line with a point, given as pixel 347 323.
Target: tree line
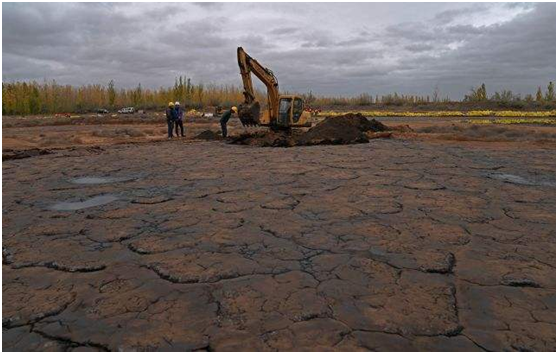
pixel 504 98
pixel 391 99
pixel 478 94
pixel 23 98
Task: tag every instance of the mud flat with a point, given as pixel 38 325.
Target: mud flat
pixel 388 245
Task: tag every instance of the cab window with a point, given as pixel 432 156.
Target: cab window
pixel 284 112
pixel 284 105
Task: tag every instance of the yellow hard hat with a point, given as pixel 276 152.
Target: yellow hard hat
pixel 234 109
pixel 171 104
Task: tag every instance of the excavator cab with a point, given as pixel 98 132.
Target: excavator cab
pixel 291 112
pixel 285 111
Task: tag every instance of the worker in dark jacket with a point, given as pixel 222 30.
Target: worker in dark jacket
pixel 225 119
pixel 170 118
pixel 179 115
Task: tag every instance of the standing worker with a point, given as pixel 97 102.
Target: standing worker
pixel 179 115
pixel 170 118
pixel 225 119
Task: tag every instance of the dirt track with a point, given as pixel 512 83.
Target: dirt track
pixel 391 245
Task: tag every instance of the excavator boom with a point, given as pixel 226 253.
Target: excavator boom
pixel 249 111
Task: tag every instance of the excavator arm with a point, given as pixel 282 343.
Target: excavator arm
pixel 249 111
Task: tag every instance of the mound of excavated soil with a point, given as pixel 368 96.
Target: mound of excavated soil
pixel 208 135
pixel 346 129
pixel 267 139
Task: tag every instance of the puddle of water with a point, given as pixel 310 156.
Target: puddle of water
pixel 506 177
pixel 510 178
pixel 99 180
pixel 91 202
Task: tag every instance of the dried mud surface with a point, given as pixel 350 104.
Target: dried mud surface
pixel 390 245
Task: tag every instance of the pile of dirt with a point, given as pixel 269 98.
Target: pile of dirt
pixel 267 139
pixel 340 130
pixel 346 129
pixel 208 135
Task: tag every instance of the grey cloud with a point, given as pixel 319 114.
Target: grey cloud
pixel 284 31
pixel 419 47
pixel 521 52
pixel 462 30
pixel 415 31
pixel 208 4
pixel 448 16
pixel 86 43
pixel 319 43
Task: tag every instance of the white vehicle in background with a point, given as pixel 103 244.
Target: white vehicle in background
pixel 126 110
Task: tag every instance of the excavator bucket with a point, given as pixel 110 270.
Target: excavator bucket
pixel 249 114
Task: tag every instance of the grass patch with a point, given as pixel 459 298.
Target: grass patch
pixel 539 121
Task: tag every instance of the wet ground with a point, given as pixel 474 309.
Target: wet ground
pixel 184 245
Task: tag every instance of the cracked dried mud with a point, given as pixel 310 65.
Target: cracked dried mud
pixel 391 245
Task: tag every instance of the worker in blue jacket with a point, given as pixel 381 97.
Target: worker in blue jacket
pixel 170 119
pixel 179 116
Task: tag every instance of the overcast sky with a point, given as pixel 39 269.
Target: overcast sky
pixel 329 48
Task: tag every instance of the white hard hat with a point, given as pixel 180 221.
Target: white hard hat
pixel 177 103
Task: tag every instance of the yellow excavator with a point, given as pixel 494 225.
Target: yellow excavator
pixel 282 111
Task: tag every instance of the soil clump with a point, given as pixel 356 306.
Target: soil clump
pixel 209 135
pixel 23 154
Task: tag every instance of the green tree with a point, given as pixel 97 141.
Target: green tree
pixel 504 96
pixel 539 96
pixel 111 94
pixel 34 100
pixel 477 94
pixel 189 92
pixel 199 93
pixel 550 95
pixel 482 93
pixel 137 96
